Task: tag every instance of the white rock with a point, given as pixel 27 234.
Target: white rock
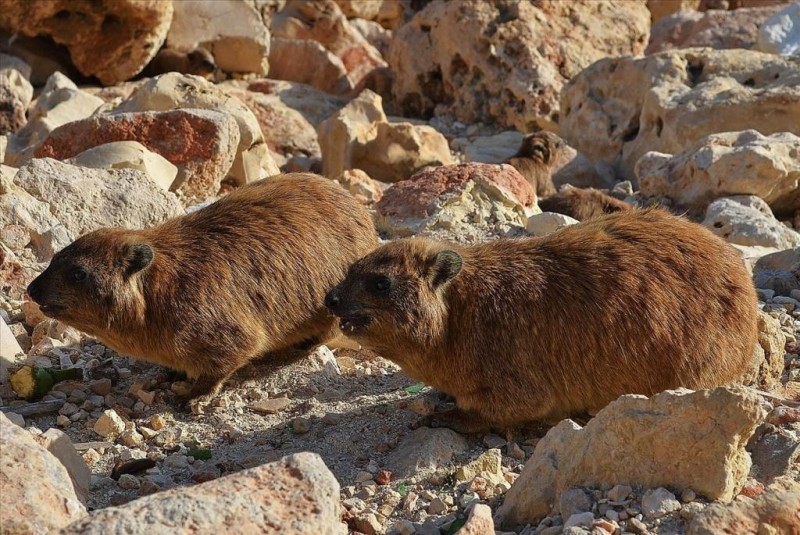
pixel 60 102
pixel 129 155
pixel 11 353
pixel 16 419
pixel 580 519
pixel 109 425
pixel 659 502
pixel 780 34
pixel 60 445
pixel 547 223
pixel 232 30
pixel 747 220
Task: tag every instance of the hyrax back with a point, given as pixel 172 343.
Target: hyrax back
pixel 582 203
pixel 205 293
pixel 542 328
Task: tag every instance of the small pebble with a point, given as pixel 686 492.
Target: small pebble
pixel 688 495
pixel 301 425
pixel 128 481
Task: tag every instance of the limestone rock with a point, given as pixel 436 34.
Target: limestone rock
pixel 293 496
pixel 324 22
pixel 620 108
pixel 308 62
pixel 487 465
pixel 110 39
pixel 780 34
pixel 775 511
pixel 173 91
pixel 129 155
pixel 85 199
pixel 778 271
pixel 677 439
pixel 60 102
pixel 388 13
pixel 768 358
pixel 731 163
pixel 659 502
pixel 16 93
pixel 400 149
pixel 747 220
pixel 374 33
pixel 425 450
pixel 287 112
pixel 109 425
pixel 359 136
pixel 479 521
pixel 201 143
pixel 547 223
pixel 775 454
pixel 11 353
pixel 506 62
pixel 664 8
pixel 231 30
pixel 361 186
pixel 60 446
pixel 456 197
pixel 715 28
pixel 38 496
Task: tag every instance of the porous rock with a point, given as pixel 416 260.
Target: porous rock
pixel 676 439
pixel 424 450
pixel 747 220
pixel 173 91
pixel 619 108
pixel 16 93
pixel 456 197
pixel 731 163
pixel 38 495
pixel 202 144
pixel 295 495
pixel 506 62
pixel 110 39
pixel 231 30
pixel 84 199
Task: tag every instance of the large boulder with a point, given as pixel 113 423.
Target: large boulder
pixel 16 93
pixel 505 62
pixel 60 102
pixel 715 28
pixel 780 34
pixel 293 496
pixel 202 144
pixel 778 271
pixel 323 21
pixel 678 439
pixel 459 200
pixel 38 495
pixel 620 108
pixel 112 40
pixel 174 91
pixel 747 220
pixel 232 31
pixel 130 155
pixel 308 62
pixel 731 163
pixel 86 199
pixel 775 511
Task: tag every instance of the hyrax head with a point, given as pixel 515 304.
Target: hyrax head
pixel 394 295
pixel 93 279
pixel 541 146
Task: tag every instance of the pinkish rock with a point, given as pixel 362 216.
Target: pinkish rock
pixel 201 143
pixel 455 195
pixel 38 495
pixel 716 29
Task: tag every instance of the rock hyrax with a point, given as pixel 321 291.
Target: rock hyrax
pixel 535 159
pixel 537 329
pixel 582 203
pixel 205 293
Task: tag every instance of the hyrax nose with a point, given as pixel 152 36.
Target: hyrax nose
pixel 332 300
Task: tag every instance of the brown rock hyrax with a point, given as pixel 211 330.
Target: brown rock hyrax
pixel 205 293
pixel 535 159
pixel 582 203
pixel 537 329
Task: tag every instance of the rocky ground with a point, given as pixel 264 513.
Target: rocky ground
pixel 413 107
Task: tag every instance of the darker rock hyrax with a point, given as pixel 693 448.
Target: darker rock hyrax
pixel 205 293
pixel 582 203
pixel 538 329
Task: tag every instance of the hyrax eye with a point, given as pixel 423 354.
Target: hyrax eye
pixel 382 284
pixel 79 274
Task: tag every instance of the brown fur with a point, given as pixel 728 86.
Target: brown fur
pixel 543 328
pixel 242 278
pixel 535 159
pixel 582 203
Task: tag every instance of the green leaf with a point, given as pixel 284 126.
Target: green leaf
pixel 414 389
pixel 201 454
pixel 402 489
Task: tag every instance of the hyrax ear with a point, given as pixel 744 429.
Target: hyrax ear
pixel 445 265
pixel 140 256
